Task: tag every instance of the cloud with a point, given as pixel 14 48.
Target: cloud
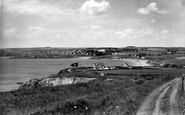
pixel 9 32
pixel 94 27
pixel 31 7
pixel 165 32
pixel 69 13
pixel 153 21
pixel 36 29
pixel 151 8
pixel 95 8
pixel 124 33
pixel 35 32
pixel 134 32
pixel 179 41
pixel 183 3
pixel 58 36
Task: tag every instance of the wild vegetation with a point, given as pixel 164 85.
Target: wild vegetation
pixel 111 94
pixel 181 101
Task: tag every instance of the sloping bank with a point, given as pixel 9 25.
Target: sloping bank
pixel 54 81
pixel 64 77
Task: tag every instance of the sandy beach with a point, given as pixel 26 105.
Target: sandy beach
pixel 180 58
pixel 137 62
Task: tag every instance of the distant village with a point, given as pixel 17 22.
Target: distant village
pixel 55 53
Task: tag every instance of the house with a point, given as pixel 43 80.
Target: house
pixel 125 65
pixel 99 65
pixel 131 47
pixel 101 50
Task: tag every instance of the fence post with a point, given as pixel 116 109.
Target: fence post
pixel 183 76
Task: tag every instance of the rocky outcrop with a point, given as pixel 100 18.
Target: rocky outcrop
pixel 54 81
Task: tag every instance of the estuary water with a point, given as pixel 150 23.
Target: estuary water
pixel 20 70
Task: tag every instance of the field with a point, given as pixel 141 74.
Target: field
pixel 175 61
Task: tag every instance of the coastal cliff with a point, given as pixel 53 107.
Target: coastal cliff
pixel 54 81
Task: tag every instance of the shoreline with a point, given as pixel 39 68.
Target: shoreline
pixel 115 62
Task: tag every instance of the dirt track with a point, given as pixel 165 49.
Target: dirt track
pixel 162 101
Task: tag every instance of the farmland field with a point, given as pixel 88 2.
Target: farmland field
pixel 176 60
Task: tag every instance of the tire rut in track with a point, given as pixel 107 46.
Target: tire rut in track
pixel 173 102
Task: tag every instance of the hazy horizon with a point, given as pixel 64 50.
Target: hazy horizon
pixel 92 23
pixel 86 47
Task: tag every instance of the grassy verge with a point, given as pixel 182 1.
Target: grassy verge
pixel 181 100
pixel 113 94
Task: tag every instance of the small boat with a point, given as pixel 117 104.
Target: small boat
pixel 74 64
pixel 19 83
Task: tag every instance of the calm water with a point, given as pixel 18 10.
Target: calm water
pixel 20 70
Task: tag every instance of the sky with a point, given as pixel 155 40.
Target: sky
pixel 92 23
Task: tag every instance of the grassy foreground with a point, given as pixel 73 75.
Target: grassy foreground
pixel 113 94
pixel 181 101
